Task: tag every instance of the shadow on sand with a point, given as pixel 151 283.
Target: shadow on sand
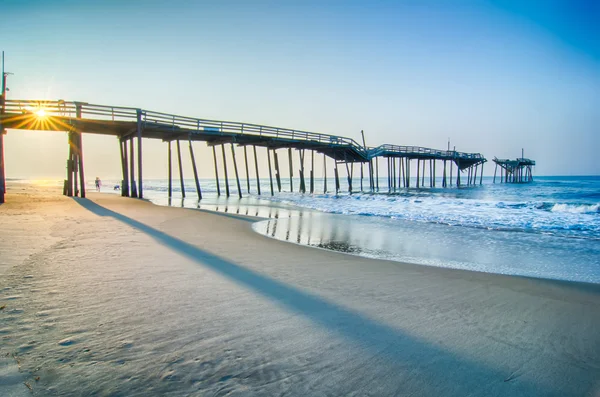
pixel 435 370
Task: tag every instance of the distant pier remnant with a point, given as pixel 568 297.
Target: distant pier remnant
pixel 514 171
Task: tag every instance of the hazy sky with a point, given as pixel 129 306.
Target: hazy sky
pixel 492 76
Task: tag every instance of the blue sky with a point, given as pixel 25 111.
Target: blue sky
pixel 492 76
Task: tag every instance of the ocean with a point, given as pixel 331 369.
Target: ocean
pixel 549 228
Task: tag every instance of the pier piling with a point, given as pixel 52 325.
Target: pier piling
pixel 214 150
pixel 235 168
pixel 180 169
pixel 196 180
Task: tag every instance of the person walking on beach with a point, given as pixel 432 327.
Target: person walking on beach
pixel 98 184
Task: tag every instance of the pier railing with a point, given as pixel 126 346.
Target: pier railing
pixel 422 151
pixel 150 119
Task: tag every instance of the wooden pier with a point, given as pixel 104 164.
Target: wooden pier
pixel 519 170
pixel 131 125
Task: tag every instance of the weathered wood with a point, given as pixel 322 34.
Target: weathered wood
pixel 75 164
pixel 337 179
pixel 2 169
pixel 312 171
pixel 451 164
pixel 302 181
pixel 270 172
pixel 444 181
pixel 132 182
pixel 277 172
pixel 170 170
pixel 246 163
pixel 214 150
pixel 407 172
pixel 377 173
pixel 235 168
pixel 433 173
pixel 125 182
pixel 140 190
pixel 324 174
pixel 361 176
pixel 180 169
pixel 80 152
pixel 291 170
pixel 481 175
pixel 423 175
pixel 225 171
pixel 256 168
pixel 70 166
pixel 418 172
pixel 193 159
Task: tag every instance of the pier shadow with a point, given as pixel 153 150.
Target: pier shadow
pixel 436 370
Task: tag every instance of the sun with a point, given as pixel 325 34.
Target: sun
pixel 41 113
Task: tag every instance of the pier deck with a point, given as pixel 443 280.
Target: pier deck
pixel 133 124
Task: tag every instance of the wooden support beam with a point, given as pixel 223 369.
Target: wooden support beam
pixel 140 191
pixel 80 152
pixel 225 170
pixel 180 169
pixel 393 173
pixel 270 172
pixel 2 168
pixel 132 169
pixel 81 176
pixel 256 168
pixel 407 172
pixel 302 181
pixel 217 170
pixel 235 168
pixel 377 173
pixel 70 166
pixel 418 172
pixel 433 173
pixel 247 172
pixel 291 170
pixel 361 176
pixel 193 159
pixel 451 163
pixel 389 174
pixel 444 182
pixel 324 173
pixel 75 164
pixel 277 172
pixel 125 181
pixel 402 173
pixel 481 175
pixel 337 178
pixel 170 170
pixel 495 170
pixel 312 171
pixel 423 175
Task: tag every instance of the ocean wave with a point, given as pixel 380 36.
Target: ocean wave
pixel 577 208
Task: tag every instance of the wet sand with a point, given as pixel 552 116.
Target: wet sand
pixel 116 296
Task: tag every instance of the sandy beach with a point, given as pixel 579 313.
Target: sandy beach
pixel 120 297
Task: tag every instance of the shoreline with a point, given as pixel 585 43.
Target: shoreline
pixel 140 299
